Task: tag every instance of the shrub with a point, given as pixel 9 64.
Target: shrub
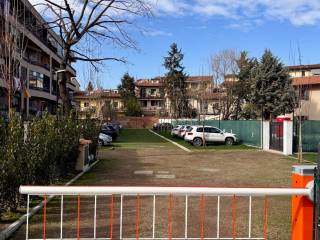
pixel 90 130
pixel 38 152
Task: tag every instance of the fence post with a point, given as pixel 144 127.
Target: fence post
pixel 266 135
pixel 287 137
pixel 302 207
pixel 317 208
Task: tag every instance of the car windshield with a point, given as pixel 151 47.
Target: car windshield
pixel 111 127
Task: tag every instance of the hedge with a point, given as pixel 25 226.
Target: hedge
pixel 39 152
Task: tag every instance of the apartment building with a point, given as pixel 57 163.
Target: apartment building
pixel 150 95
pixel 153 100
pixel 306 80
pixel 36 77
pixel 99 104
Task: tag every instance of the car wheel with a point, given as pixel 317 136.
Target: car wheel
pixel 100 142
pixel 229 141
pixel 197 142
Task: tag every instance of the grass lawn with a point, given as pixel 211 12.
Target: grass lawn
pixel 209 147
pixel 311 157
pixel 139 138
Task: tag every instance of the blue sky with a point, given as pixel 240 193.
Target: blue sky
pixel 203 27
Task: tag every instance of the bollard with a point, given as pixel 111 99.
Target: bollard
pixel 302 207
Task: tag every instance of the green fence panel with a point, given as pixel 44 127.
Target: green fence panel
pixel 248 131
pixel 310 135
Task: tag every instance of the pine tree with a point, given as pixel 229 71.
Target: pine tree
pixel 127 93
pixel 89 88
pixel 243 87
pixel 272 89
pixel 174 84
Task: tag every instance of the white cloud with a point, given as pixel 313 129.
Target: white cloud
pixel 157 33
pixel 296 12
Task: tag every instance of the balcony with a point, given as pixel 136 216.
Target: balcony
pixel 151 96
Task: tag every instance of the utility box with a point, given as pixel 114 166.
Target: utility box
pixel 302 206
pixel 83 159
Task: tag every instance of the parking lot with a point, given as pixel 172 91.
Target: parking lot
pixel 141 158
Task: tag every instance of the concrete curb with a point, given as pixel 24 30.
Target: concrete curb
pixel 6 233
pixel 173 142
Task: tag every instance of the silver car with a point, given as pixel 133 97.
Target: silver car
pixel 104 139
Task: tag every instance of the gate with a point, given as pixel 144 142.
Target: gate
pixel 118 196
pixel 276 136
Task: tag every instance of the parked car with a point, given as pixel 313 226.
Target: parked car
pixel 162 126
pixel 196 135
pixel 109 130
pixel 104 139
pixel 175 131
pixel 182 131
pixel 115 126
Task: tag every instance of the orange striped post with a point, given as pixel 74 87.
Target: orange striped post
pixel 170 218
pixel 202 213
pixel 302 206
pixel 44 216
pixel 111 216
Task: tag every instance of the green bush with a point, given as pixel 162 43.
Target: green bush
pixel 90 130
pixel 41 151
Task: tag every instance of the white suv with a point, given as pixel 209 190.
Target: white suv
pixel 197 134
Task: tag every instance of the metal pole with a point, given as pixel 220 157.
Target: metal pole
pixel 318 196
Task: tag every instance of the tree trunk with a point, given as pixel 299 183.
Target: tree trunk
pixel 64 94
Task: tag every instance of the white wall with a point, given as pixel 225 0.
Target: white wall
pixel 287 137
pixel 266 135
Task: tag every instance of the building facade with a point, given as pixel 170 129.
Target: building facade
pixel 100 104
pixel 36 75
pixel 306 80
pixel 153 99
pixel 151 96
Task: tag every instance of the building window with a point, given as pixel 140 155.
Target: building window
pixel 305 93
pixel 142 92
pixel 303 73
pixel 39 81
pixel 54 88
pixel 153 91
pixel 154 103
pixel 144 103
pixel 115 105
pixel 86 104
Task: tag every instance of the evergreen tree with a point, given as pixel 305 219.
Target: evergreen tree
pixel 127 87
pixel 272 89
pixel 174 84
pixel 89 87
pixel 243 87
pixel 127 93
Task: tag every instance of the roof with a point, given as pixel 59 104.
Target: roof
pixel 304 67
pixel 158 81
pixel 97 94
pixel 153 82
pixel 311 80
pixel 199 79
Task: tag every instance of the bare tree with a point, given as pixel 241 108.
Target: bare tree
pixel 13 44
pixel 224 64
pixel 97 21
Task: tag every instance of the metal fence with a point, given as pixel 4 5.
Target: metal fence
pixel 154 193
